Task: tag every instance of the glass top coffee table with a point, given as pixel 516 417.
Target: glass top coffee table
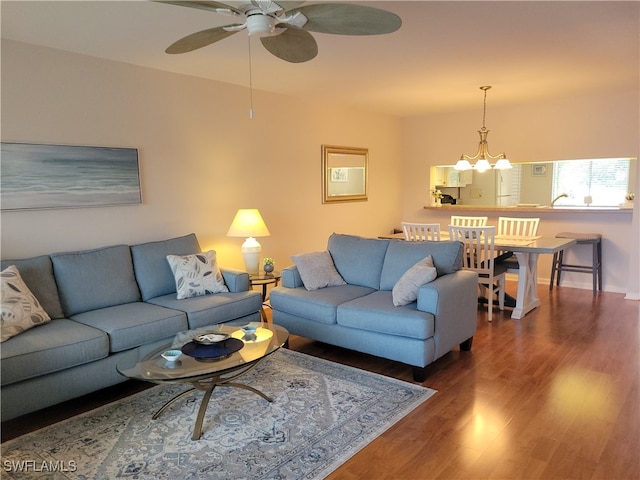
pixel 215 356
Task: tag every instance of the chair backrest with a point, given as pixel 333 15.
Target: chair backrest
pixel 468 221
pixel 518 227
pixel 479 244
pixel 421 231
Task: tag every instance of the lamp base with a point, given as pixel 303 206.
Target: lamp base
pixel 251 255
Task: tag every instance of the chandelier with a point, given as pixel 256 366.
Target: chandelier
pixel 482 155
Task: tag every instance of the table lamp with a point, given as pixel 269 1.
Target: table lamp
pixel 248 223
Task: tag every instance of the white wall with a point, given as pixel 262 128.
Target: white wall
pixel 599 125
pixel 201 157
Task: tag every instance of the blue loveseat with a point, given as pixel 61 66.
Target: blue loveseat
pixel 106 305
pixel 360 315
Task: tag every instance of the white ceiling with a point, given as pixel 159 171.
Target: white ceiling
pixel 437 60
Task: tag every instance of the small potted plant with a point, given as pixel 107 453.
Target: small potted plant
pixel 268 265
pixel 437 197
pixel 628 200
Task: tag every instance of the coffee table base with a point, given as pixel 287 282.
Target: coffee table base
pixel 208 385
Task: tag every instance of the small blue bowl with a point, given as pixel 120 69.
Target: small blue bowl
pixel 171 355
pixel 249 330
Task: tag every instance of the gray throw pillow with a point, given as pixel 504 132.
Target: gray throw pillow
pixel 196 274
pixel 405 290
pixel 317 270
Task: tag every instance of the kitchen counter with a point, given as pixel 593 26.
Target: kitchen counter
pixel 536 210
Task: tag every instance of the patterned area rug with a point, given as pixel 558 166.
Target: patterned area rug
pixel 322 414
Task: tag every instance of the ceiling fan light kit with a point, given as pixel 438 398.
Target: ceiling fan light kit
pixel 482 155
pixel 261 25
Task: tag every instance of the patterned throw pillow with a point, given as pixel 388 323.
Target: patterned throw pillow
pixel 20 309
pixel 196 274
pixel 317 270
pixel 405 290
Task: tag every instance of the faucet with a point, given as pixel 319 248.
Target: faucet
pixel 558 198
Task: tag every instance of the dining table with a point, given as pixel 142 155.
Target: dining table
pixel 526 250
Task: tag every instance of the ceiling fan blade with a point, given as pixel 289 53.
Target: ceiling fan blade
pixel 294 45
pixel 348 19
pixel 271 6
pixel 288 5
pixel 203 5
pixel 199 40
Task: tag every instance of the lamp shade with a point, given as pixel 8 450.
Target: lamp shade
pixel 503 164
pixel 462 165
pixel 248 223
pixel 482 165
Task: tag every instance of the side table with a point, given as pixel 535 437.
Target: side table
pixel 264 279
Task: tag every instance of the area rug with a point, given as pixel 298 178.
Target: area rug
pixel 323 413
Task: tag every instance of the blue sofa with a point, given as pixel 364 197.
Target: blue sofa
pixel 106 305
pixel 361 316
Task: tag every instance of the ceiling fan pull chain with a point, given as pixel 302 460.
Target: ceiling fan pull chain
pixel 250 81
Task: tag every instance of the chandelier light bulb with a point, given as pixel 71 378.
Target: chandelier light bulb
pixel 483 165
pixel 462 165
pixel 502 164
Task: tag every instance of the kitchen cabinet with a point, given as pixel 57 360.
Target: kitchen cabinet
pixel 450 177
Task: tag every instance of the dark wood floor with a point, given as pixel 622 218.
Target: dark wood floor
pixel 555 395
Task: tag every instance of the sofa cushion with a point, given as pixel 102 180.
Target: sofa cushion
pixel 405 290
pixel 402 255
pixel 55 346
pixel 211 309
pixel 196 274
pixel 376 313
pixel 317 270
pixel 19 308
pixel 37 273
pixel 359 260
pixel 133 324
pixel 317 305
pixel 94 279
pixel 153 273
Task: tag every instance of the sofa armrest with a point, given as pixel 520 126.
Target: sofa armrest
pixel 291 277
pixel 446 292
pixel 235 280
pixel 453 300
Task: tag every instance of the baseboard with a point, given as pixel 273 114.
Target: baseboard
pixel 583 285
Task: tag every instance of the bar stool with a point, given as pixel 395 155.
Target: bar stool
pixel 593 239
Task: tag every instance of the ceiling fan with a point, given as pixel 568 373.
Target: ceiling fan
pixel 284 26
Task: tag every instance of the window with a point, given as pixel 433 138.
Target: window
pixel 605 180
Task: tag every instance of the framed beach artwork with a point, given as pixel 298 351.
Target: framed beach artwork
pixel 36 176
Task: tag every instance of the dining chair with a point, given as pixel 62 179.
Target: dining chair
pixel 417 232
pixel 515 227
pixel 463 221
pixel 479 245
pixel 518 227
